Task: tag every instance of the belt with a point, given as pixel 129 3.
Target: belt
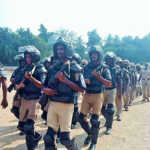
pixel 146 79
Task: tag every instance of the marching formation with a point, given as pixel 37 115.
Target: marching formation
pixel 105 86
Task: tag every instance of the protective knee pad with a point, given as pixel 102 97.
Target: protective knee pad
pixel 15 111
pixel 95 121
pixel 110 109
pixel 95 128
pixel 67 142
pixel 84 124
pixel 49 139
pixel 29 127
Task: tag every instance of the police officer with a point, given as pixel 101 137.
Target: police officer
pixel 47 63
pixel 133 82
pixel 76 59
pixel 145 76
pixel 16 77
pixel 108 108
pixel 64 80
pixel 126 83
pixel 35 75
pixel 4 102
pixel 119 96
pixel 44 98
pixel 139 81
pixel 96 76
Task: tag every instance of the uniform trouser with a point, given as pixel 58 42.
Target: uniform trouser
pixel 109 96
pixel 108 106
pixel 26 122
pixel 28 109
pixel 17 100
pixel 60 115
pixel 16 105
pixel 119 104
pixel 91 103
pixel 132 93
pixel 126 98
pixel 145 89
pixel 138 90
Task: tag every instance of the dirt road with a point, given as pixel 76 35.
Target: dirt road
pixel 132 133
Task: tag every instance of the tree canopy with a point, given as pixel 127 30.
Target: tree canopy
pixel 133 48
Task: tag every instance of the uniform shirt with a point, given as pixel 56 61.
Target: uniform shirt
pixel 31 91
pixel 65 94
pixel 145 74
pixel 116 75
pixel 95 85
pixel 126 80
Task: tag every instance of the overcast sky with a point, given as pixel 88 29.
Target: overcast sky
pixel 118 17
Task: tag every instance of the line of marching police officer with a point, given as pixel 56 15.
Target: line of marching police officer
pixel 106 84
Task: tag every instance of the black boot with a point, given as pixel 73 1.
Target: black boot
pixel 109 119
pixel 65 140
pixel 87 140
pixel 94 131
pixel 86 127
pixel 118 118
pixel 49 139
pixel 108 131
pixel 84 124
pixel 33 140
pixel 126 108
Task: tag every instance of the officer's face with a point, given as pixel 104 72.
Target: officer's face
pixel 22 63
pixel 28 59
pixel 60 51
pixel 94 57
pixel 47 64
pixel 109 62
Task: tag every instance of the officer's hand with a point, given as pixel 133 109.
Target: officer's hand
pixel 87 81
pixel 27 75
pixel 108 84
pixel 4 103
pixel 94 73
pixel 49 91
pixel 19 86
pixel 60 76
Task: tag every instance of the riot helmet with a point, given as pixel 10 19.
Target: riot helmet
pixel 110 58
pixel 61 46
pixel 32 51
pixel 20 59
